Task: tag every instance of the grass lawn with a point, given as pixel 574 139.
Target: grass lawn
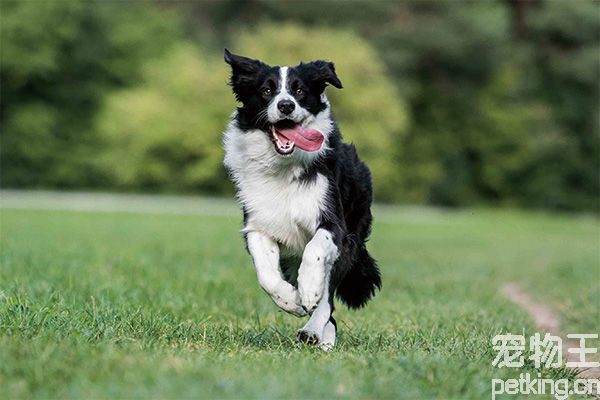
pixel 104 305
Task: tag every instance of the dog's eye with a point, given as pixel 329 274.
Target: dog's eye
pixel 266 92
pixel 299 92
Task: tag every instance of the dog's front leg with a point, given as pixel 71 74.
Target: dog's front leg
pixel 320 328
pixel 265 254
pixel 317 261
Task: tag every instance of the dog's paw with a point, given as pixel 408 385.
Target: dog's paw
pixel 308 336
pixel 288 299
pixel 317 260
pixel 295 310
pixel 311 285
pixel 323 338
pixel 327 342
pixel 310 300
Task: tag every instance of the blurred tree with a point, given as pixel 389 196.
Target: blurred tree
pixel 564 40
pixel 369 110
pixel 503 95
pixel 57 60
pixel 489 102
pixel 217 21
pixel 442 56
pixel 498 97
pixel 166 132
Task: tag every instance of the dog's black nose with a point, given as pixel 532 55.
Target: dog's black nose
pixel 286 106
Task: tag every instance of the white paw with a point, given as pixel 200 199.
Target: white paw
pixel 311 285
pixel 325 340
pixel 318 258
pixel 288 299
pixel 328 340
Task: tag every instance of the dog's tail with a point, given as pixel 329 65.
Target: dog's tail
pixel 360 282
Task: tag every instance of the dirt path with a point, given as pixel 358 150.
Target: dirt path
pixel 546 320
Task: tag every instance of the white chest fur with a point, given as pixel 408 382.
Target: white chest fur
pixel 277 202
pixel 288 211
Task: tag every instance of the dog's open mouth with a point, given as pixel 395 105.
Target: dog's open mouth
pixel 287 134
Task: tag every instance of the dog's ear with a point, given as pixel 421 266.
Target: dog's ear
pixel 244 71
pixel 242 68
pixel 323 72
pixel 240 63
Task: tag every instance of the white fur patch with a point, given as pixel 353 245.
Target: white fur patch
pixel 273 112
pixel 313 275
pixel 268 186
pixel 265 254
pixel 319 329
pixel 328 339
pixel 284 208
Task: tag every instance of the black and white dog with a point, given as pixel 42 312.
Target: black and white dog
pixel 305 194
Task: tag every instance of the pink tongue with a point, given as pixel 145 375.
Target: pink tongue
pixel 305 138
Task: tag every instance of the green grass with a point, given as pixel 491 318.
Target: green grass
pixel 103 305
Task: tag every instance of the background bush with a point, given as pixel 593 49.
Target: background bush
pixel 58 59
pixel 370 112
pixel 166 132
pixel 489 102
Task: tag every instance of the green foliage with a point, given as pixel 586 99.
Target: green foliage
pixel 370 112
pixel 565 44
pixel 498 120
pixel 166 132
pixel 490 102
pixel 57 60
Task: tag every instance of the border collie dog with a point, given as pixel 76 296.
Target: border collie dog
pixel 305 194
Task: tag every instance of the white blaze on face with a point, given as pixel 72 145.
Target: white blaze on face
pixel 283 94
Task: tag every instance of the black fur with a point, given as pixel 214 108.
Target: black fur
pixel 355 277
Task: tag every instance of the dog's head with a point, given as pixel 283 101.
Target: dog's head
pixel 282 101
